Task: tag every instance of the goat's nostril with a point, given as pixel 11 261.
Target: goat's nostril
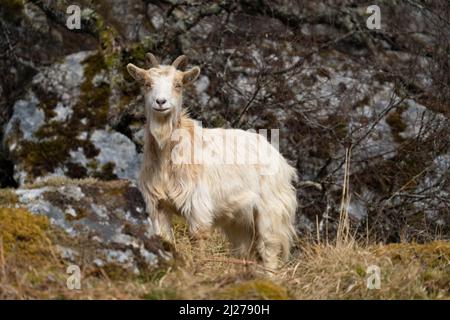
pixel 161 101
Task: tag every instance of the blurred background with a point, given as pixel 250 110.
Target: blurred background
pixel 312 69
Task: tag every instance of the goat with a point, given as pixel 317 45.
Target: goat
pixel 255 210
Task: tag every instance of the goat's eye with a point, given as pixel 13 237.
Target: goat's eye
pixel 148 86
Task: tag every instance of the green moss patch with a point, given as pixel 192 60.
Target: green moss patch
pixel 255 289
pixel 43 157
pixel 161 294
pixel 24 235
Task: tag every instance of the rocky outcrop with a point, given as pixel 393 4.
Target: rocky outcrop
pixel 59 126
pixel 313 71
pixel 98 224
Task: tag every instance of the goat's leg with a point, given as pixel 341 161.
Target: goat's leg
pixel 163 225
pixel 199 230
pixel 160 219
pixel 199 219
pixel 269 251
pixel 241 238
pixel 240 227
pixel 268 243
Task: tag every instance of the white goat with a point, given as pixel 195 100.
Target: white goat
pixel 253 203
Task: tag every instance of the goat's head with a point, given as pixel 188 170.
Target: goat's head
pixel 163 85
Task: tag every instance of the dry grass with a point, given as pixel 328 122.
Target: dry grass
pixel 8 197
pixel 57 181
pixel 316 270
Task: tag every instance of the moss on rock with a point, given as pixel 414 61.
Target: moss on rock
pixel 41 157
pixel 106 172
pixel 56 139
pixel 395 120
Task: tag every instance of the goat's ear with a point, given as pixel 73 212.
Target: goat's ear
pixel 191 75
pixel 137 73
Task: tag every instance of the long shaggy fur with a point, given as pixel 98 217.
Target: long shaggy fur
pixel 255 211
pixel 254 203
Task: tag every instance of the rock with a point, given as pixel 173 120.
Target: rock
pixel 117 149
pixel 36 17
pixel 28 116
pixel 133 20
pixel 436 183
pixel 104 223
pixel 59 126
pixel 156 14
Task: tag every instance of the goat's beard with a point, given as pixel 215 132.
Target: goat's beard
pixel 161 127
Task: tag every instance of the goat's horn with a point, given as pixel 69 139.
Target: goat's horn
pixel 152 60
pixel 180 61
